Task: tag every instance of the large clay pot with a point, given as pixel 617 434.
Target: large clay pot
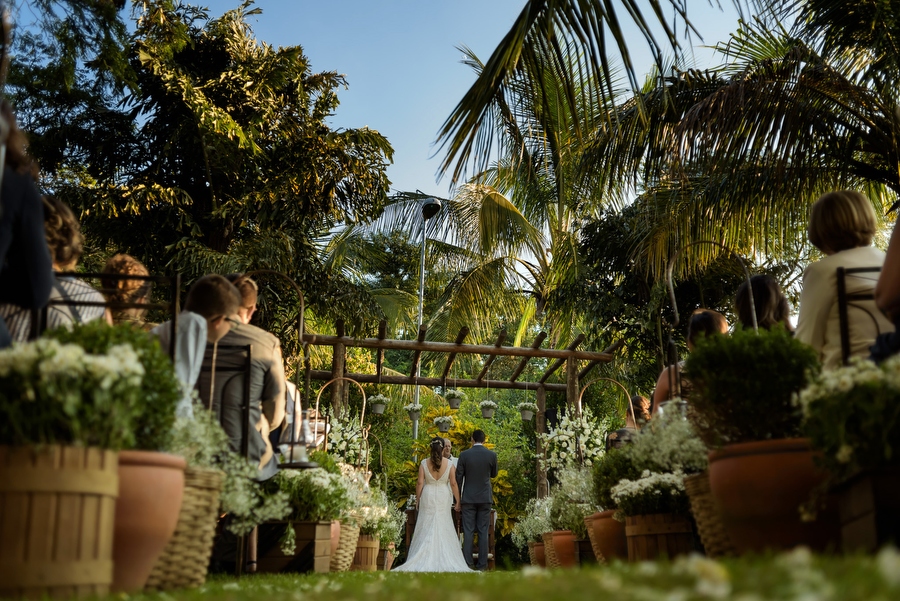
pixel 539 556
pixel 607 536
pixel 564 547
pixel 759 487
pixel 151 486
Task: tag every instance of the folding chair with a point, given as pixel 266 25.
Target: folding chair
pixel 234 363
pixel 865 277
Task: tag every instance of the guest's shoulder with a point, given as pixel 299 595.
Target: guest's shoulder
pixel 253 334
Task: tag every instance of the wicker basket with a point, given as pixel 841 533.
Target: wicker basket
pixel 532 558
pixel 184 562
pixel 549 552
pixel 709 524
pixel 343 557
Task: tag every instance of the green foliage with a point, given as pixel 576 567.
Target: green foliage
pixel 743 385
pixel 852 416
pixel 535 522
pixel 608 470
pixel 52 393
pixel 203 443
pixel 314 494
pixel 572 501
pixel 160 389
pixel 325 461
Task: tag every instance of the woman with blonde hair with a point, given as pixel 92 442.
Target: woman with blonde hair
pixel 126 290
pixel 842 225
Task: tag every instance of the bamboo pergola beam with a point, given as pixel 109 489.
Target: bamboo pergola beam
pixel 521 367
pixel 379 357
pixel 463 332
pixel 608 351
pixel 449 347
pixel 418 354
pixel 559 362
pixel 487 364
pixel 321 374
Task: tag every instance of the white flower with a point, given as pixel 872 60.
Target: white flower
pixel 844 454
pixel 888 562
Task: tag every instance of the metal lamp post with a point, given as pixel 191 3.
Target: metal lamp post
pixel 430 208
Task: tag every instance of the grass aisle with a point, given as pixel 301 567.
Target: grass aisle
pixel 796 576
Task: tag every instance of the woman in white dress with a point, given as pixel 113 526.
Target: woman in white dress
pixel 435 545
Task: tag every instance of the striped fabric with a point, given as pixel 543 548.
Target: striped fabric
pixel 18 320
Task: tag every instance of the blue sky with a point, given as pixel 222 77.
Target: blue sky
pixel 402 66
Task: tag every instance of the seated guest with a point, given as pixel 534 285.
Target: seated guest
pixel 126 290
pixel 209 303
pixel 771 305
pixel 640 405
pixel 842 225
pixel 25 269
pixel 670 384
pixel 63 235
pixel 267 381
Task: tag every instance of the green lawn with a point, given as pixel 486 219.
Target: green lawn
pixel 796 576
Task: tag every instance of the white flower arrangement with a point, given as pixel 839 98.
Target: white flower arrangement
pixel 573 438
pixel 378 399
pixel 345 441
pixel 487 404
pixel 453 393
pixel 443 419
pixel 653 492
pixel 669 443
pixel 412 407
pixel 844 379
pixel 527 407
pixel 534 523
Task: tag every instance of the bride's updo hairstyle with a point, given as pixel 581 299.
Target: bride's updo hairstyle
pixel 437 452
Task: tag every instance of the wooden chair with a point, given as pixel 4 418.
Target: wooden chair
pixel 847 300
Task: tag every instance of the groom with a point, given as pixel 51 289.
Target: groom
pixel 474 471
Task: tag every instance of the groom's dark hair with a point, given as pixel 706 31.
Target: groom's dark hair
pixel 478 436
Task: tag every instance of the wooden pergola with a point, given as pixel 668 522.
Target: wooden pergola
pixel 578 363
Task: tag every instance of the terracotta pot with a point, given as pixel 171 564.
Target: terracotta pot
pixel 539 556
pixel 335 535
pixel 386 558
pixel 564 547
pixel 759 487
pixel 151 486
pixel 607 536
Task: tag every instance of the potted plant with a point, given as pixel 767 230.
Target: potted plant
pixel 316 498
pixel 487 408
pixel 572 502
pixel 443 422
pixel 607 534
pixel 218 482
pixel 390 530
pixel 576 440
pixel 529 530
pixel 151 483
pixel 414 410
pixel 380 523
pixel 345 441
pixel 851 418
pixel 454 397
pixel 527 410
pixel 64 410
pixel 761 472
pixel 378 402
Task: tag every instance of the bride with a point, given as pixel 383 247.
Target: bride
pixel 435 546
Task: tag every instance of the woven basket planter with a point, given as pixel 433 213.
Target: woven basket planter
pixel 549 552
pixel 342 559
pixel 184 561
pixel 57 507
pixel 709 523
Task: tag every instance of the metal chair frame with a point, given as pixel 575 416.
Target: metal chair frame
pixel 846 300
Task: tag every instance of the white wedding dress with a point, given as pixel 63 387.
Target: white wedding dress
pixel 435 546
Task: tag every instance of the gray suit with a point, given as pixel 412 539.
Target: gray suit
pixel 267 392
pixel 474 471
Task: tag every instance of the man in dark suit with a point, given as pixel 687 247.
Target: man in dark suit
pixel 474 471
